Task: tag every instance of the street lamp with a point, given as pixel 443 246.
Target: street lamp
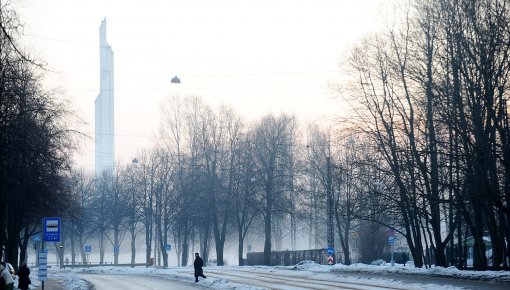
pixel 331 238
pixel 175 80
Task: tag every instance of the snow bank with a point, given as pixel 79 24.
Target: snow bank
pixel 383 268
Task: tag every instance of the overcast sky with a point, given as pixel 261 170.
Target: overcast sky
pixel 259 57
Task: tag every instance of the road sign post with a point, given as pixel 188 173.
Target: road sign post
pixel 51 233
pixel 331 252
pixel 391 241
pixel 87 249
pixel 43 267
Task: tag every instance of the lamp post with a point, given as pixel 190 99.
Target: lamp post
pixel 61 250
pixel 329 223
pixel 331 238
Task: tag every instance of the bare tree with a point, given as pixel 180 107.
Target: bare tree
pixel 273 137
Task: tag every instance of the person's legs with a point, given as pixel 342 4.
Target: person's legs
pixel 196 278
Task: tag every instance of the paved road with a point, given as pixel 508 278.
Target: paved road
pixel 127 282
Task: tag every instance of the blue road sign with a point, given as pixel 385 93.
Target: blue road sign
pixel 391 240
pixel 116 249
pixel 51 229
pixel 87 249
pixel 168 247
pixel 331 251
pixel 43 266
pixel 36 238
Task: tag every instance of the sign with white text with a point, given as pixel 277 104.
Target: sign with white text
pixel 43 266
pixel 51 229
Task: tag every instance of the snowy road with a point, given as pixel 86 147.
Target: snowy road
pixel 128 282
pixel 286 280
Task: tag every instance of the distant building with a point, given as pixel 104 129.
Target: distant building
pixel 105 109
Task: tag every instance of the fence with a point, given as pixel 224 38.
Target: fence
pixel 87 265
pixel 288 258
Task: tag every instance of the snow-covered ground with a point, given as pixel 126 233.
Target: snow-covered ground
pixel 73 282
pixel 450 272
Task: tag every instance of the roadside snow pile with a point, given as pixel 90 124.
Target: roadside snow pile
pixel 379 262
pixel 450 272
pixel 306 265
pixel 72 282
pixel 381 267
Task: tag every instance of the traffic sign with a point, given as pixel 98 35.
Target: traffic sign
pixel 391 240
pixel 51 229
pixel 330 260
pixel 87 249
pixel 331 251
pixel 116 249
pixel 36 238
pixel 168 247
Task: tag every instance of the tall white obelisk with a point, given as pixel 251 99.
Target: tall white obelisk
pixel 105 109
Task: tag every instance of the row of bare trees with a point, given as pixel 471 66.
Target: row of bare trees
pixel 432 94
pixel 208 177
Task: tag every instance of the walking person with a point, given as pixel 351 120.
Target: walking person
pixel 405 258
pixel 7 277
pixel 198 264
pixel 24 277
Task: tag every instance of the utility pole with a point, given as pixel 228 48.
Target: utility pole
pixel 331 238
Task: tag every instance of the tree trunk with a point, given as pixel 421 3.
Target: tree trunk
pixel 267 242
pixel 101 248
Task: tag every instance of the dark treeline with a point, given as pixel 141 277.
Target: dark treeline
pixel 34 145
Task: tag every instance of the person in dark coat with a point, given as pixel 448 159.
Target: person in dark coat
pixel 405 258
pixel 24 279
pixel 198 264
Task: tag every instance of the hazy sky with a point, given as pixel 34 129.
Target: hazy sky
pixel 255 56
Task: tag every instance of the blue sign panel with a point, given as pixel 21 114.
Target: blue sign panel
pixel 51 229
pixel 36 238
pixel 168 247
pixel 391 239
pixel 87 249
pixel 116 249
pixel 331 251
